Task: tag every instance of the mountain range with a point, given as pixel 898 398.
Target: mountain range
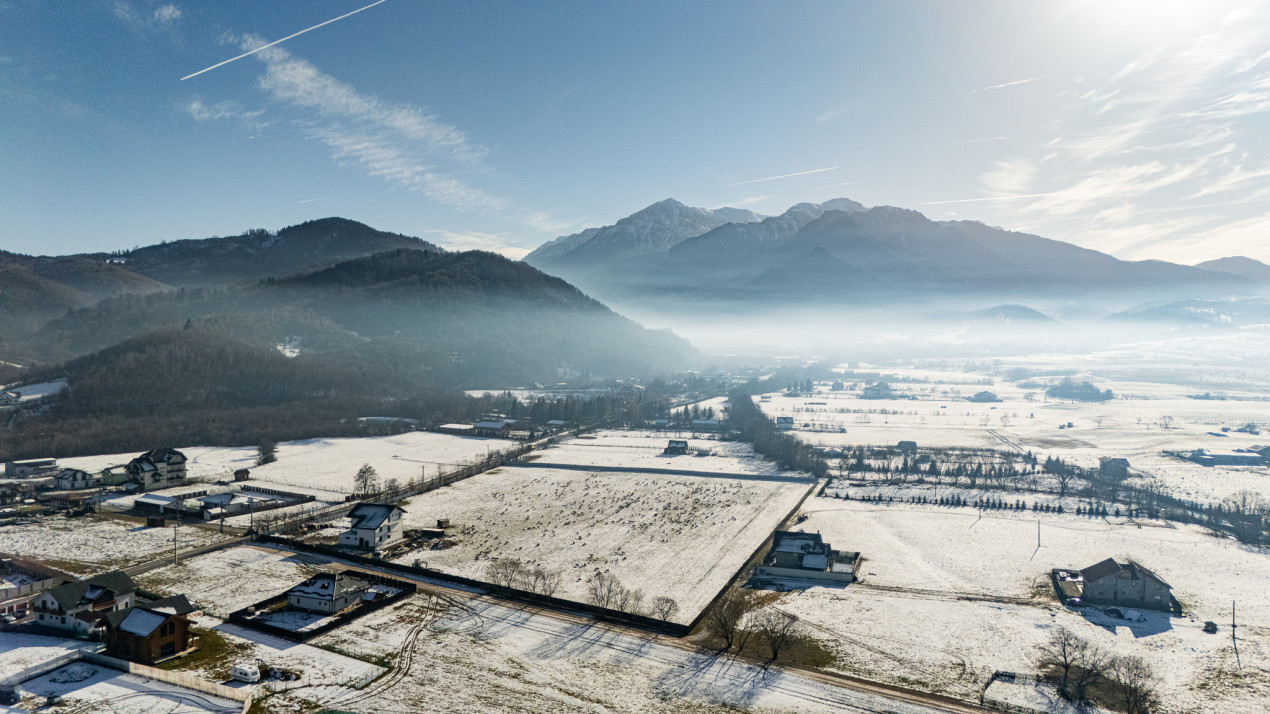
pixel 842 252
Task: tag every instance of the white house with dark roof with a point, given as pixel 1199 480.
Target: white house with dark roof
pixel 82 606
pixel 73 480
pixel 158 468
pixel 327 593
pixel 806 556
pixel 374 526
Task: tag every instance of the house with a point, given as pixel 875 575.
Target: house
pixel 73 480
pixel 145 635
pixel 676 447
pixel 983 398
pixel 242 474
pixel 158 468
pixel 375 526
pixel 1112 467
pixel 881 390
pixel 327 593
pixel 28 469
pixel 661 423
pixel 907 447
pixel 20 582
pixel 8 399
pixel 805 556
pixel 1126 583
pixel 81 606
pixel 785 423
pixel 498 429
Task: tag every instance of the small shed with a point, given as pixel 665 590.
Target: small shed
pixel 676 447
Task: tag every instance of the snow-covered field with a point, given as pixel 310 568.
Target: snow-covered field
pixel 946 597
pixel 94 544
pixel 643 450
pixel 324 464
pixel 90 687
pixel 1143 420
pixel 20 651
pixel 32 392
pixel 233 578
pixel 479 656
pixel 680 536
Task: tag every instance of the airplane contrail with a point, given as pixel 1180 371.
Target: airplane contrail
pixel 773 178
pixel 275 42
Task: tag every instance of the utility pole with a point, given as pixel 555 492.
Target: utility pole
pixel 1038 533
pixel 1233 641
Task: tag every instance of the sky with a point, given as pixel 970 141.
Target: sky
pixel 1135 127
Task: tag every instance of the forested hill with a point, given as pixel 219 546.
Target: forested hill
pixel 427 317
pixel 259 253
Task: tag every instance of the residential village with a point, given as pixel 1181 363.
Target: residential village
pixel 346 574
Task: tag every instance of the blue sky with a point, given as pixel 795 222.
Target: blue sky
pixel 1135 127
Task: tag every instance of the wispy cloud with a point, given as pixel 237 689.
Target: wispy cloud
pixel 784 176
pixel 1015 83
pixel 167 14
pixel 1013 176
pixel 402 144
pixel 201 111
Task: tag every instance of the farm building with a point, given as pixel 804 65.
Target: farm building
pixel 143 635
pixel 457 429
pixel 710 425
pixel 375 526
pixel 1238 457
pixel 805 556
pixel 907 446
pixel 8 399
pixel 497 429
pixel 28 469
pixel 1112 582
pixel 327 593
pixel 983 397
pixel 785 423
pixel 1112 467
pixel 676 447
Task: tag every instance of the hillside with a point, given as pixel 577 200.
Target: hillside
pixel 1239 265
pixel 260 254
pixel 33 290
pixel 429 317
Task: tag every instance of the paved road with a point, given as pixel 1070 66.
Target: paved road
pixel 664 472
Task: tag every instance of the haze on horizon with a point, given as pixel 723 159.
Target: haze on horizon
pixel 1130 128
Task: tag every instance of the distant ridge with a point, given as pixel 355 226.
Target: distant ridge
pixel 840 251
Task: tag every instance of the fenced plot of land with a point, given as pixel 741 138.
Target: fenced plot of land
pixel 479 656
pixel 94 544
pixel 678 536
pixel 643 449
pixel 947 597
pixel 106 690
pixel 226 580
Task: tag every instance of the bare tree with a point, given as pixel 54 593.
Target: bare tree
pixel 777 628
pixel 724 616
pixel 603 589
pixel 1166 422
pixel 629 600
pixel 392 488
pixel 1135 681
pixel 366 481
pixel 505 571
pixel 1062 651
pixel 266 453
pixel 664 607
pixel 549 581
pixel 1091 665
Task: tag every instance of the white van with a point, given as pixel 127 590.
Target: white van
pixel 246 672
